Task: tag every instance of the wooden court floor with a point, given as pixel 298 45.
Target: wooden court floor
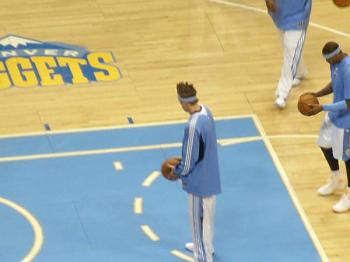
pixel 229 49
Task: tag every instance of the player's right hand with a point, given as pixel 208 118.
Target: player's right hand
pixel 315 109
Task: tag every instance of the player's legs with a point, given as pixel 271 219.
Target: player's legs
pixel 208 225
pixel 341 150
pixel 196 214
pixel 335 183
pixel 293 42
pixel 202 212
pixel 301 72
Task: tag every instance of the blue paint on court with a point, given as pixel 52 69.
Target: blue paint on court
pixel 114 138
pixel 85 206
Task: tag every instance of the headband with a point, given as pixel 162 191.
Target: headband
pixel 189 99
pixel 331 54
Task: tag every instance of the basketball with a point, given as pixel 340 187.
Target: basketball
pixel 342 3
pixel 166 170
pixel 304 101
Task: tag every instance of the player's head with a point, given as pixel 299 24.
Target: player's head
pixel 332 52
pixel 187 95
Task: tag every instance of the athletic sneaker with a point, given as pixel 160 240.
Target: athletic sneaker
pixel 334 184
pixel 190 247
pixel 296 82
pixel 280 102
pixel 343 205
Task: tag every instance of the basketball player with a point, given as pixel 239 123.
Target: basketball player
pixel 199 171
pixel 335 131
pixel 291 17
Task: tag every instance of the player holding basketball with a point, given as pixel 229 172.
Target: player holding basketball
pixel 199 171
pixel 335 131
pixel 291 17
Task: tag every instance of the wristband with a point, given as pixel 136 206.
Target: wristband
pixel 335 106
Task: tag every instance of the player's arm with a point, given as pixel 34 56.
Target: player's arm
pixel 190 151
pixel 271 5
pixel 337 106
pixel 328 89
pixel 344 104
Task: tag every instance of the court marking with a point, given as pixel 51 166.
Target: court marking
pixel 181 255
pixel 150 233
pixel 150 179
pixel 231 141
pixel 118 165
pixel 146 228
pixel 290 190
pixel 264 11
pixel 223 142
pixel 38 232
pixel 138 205
pixel 103 128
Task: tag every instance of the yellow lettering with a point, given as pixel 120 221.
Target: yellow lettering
pixel 4 79
pixel 44 65
pixel 74 66
pixel 19 70
pixel 100 60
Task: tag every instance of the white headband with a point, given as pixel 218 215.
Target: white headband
pixel 189 99
pixel 331 54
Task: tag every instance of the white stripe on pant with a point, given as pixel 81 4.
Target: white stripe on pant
pixel 293 65
pixel 202 213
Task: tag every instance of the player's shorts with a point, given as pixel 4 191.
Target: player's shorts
pixel 336 138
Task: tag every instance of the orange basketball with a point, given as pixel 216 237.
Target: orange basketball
pixel 342 3
pixel 304 101
pixel 166 170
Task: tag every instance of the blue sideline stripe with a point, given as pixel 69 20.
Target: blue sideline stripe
pixel 118 137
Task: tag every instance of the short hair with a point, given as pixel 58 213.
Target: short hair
pixel 185 89
pixel 329 47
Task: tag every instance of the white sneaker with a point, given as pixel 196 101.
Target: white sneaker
pixel 343 205
pixel 296 82
pixel 334 184
pixel 280 102
pixel 190 247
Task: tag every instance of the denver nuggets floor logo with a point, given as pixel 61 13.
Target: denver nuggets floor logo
pixel 28 63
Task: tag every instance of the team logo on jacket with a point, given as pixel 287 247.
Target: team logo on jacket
pixel 28 63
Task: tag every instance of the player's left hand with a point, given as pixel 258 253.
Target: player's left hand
pixel 172 176
pixel 271 5
pixel 315 109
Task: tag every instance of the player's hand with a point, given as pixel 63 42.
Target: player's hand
pixel 271 5
pixel 309 93
pixel 172 176
pixel 178 158
pixel 315 109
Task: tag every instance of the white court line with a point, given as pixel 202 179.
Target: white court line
pixel 259 10
pixel 232 141
pixel 223 142
pixel 150 179
pixel 38 232
pixel 138 205
pixel 291 191
pixel 88 152
pixel 149 233
pixel 181 255
pixel 91 129
pixel 118 165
